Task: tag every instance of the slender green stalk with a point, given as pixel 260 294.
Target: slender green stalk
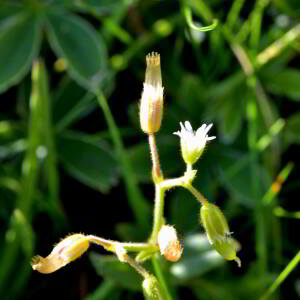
pixel 234 13
pixel 30 169
pixel 158 212
pixel 187 12
pixel 161 278
pixel 49 144
pixel 141 270
pixel 261 247
pixel 256 20
pixel 197 194
pixel 201 8
pixel 282 276
pixel 278 46
pixel 276 186
pixel 132 247
pixel 158 218
pixel 244 31
pixel 135 197
pixel 253 85
pixel 282 213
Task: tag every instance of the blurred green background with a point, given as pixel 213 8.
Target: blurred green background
pixel 73 158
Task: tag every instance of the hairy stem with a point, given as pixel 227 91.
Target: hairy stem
pixel 156 171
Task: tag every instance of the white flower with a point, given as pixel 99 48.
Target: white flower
pixel 193 142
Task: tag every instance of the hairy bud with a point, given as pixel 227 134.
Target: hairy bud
pixel 151 108
pixel 169 243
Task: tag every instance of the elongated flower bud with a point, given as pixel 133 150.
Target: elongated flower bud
pixel 63 253
pixel 151 108
pixel 169 243
pixel 151 289
pixel 217 231
pixel 214 222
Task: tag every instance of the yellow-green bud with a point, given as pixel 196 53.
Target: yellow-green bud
pixel 214 223
pixel 151 108
pixel 228 249
pixel 192 143
pixel 152 289
pixel 217 231
pixel 63 253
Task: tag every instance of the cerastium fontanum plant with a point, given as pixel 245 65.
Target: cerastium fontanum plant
pixel 163 238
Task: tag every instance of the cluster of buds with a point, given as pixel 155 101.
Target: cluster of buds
pixel 217 231
pixel 151 107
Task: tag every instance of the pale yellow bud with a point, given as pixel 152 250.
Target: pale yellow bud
pixel 151 108
pixel 169 243
pixel 63 253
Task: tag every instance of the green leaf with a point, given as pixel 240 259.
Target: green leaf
pixel 111 268
pixel 184 204
pixel 77 41
pixel 285 82
pixel 65 97
pixel 197 265
pixel 73 103
pixel 226 105
pixel 7 9
pixel 90 162
pixel 291 132
pixel 235 175
pixel 231 115
pixel 20 42
pixel 99 7
pixel 96 7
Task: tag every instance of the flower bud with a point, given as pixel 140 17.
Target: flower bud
pixel 217 231
pixel 169 244
pixel 192 143
pixel 214 222
pixel 63 253
pixel 151 108
pixel 151 289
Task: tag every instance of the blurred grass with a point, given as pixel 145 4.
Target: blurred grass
pixel 64 164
